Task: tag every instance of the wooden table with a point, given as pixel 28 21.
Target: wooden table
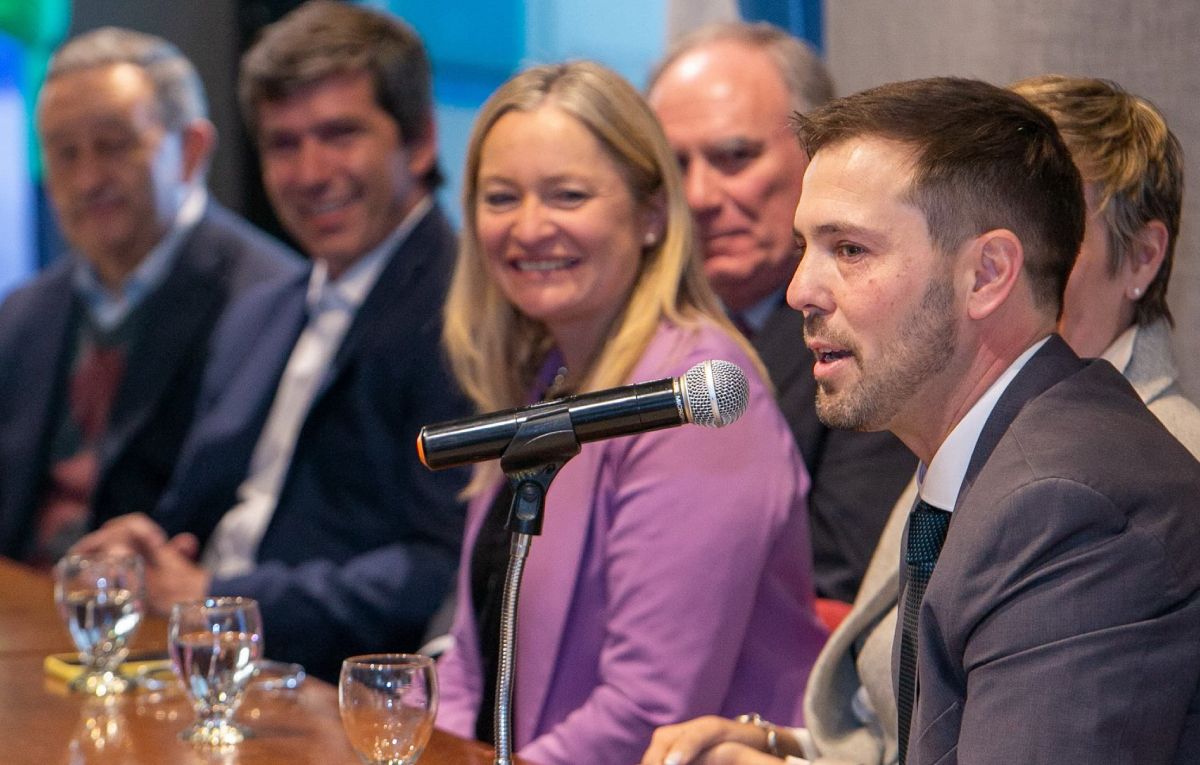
pixel 42 724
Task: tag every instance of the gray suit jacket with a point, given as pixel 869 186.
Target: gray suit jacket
pixel 1062 621
pixel 858 654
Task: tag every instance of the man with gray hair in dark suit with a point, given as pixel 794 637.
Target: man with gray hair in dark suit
pixel 103 351
pixel 724 95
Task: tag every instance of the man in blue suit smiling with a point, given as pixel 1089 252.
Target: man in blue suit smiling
pixel 299 485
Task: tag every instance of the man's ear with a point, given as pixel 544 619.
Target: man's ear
pixel 199 140
pixel 996 258
pixel 422 151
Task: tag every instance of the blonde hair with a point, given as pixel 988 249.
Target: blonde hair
pixel 494 350
pixel 1123 148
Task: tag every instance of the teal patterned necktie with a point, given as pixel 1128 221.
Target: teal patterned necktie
pixel 926 532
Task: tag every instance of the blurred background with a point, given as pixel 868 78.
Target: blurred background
pixel 1149 46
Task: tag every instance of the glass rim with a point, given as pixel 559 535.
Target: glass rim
pixel 383 660
pixel 217 601
pixel 100 556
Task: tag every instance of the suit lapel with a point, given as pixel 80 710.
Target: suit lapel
pixel 556 560
pixel 381 309
pixel 176 315
pixel 239 388
pixel 1053 362
pixel 834 679
pixel 555 557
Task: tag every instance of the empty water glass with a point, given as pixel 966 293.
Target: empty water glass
pixel 388 702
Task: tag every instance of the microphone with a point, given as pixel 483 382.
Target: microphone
pixel 713 393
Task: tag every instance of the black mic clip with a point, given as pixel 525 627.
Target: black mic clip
pixel 542 445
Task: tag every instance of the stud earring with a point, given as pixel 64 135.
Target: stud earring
pixel 1135 293
pixel 651 239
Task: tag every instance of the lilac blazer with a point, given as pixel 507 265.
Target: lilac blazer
pixel 672 579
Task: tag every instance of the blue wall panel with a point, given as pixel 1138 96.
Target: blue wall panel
pixel 16 209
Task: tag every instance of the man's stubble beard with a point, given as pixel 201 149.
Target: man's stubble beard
pixel 925 347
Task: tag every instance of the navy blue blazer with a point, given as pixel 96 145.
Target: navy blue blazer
pixel 363 544
pixel 856 477
pixel 1062 622
pixel 219 259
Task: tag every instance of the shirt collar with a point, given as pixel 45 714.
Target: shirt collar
pixel 350 289
pixel 756 316
pixel 940 482
pixel 106 309
pixel 1120 352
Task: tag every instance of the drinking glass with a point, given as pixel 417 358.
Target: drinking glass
pixel 215 644
pixel 101 598
pixel 388 702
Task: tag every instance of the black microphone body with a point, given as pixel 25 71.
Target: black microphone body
pixel 713 393
pixel 594 416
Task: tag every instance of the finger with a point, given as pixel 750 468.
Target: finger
pixel 187 545
pixel 90 543
pixel 140 528
pixel 115 540
pixel 660 744
pixel 134 532
pixel 732 753
pixel 681 744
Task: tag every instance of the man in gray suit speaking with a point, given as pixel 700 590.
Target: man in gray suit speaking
pixel 1050 590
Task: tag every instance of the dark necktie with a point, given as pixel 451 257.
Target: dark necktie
pixel 743 326
pixel 926 532
pixel 64 509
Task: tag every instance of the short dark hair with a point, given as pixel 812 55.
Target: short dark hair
pixel 178 91
pixel 983 158
pixel 322 39
pixel 1127 153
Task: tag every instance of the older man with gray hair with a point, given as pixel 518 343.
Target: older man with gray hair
pixel 104 350
pixel 724 95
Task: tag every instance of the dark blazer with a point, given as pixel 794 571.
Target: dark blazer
pixel 364 541
pixel 219 259
pixel 1062 622
pixel 856 477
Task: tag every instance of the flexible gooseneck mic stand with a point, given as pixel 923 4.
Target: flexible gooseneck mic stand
pixel 542 445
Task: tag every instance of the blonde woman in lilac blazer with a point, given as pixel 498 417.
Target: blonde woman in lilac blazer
pixel 668 560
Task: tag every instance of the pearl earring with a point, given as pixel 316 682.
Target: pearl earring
pixel 1135 293
pixel 651 239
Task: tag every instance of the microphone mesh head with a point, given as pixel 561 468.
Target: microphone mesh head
pixel 715 393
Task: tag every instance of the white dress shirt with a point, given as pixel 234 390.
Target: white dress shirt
pixel 332 306
pixel 939 483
